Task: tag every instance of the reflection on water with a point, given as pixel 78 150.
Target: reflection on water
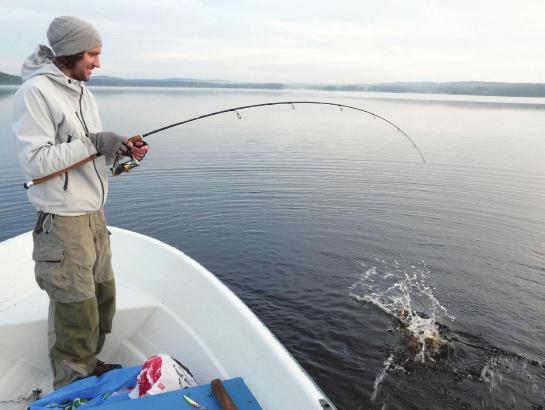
pixel 285 206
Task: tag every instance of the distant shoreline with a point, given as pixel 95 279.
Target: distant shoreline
pixel 470 88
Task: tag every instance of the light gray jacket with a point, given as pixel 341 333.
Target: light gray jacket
pixel 51 115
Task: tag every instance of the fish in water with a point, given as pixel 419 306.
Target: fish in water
pixel 422 336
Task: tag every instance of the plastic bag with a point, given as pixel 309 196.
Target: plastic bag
pixel 160 374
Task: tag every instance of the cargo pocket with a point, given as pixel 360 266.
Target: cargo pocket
pixel 103 270
pixel 49 256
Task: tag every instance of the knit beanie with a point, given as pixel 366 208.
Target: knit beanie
pixel 70 35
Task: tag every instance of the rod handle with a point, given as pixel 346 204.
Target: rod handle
pixel 37 181
pixel 136 138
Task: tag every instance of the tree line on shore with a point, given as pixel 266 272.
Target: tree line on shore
pixel 482 88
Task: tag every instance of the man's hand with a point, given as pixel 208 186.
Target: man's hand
pixel 138 149
pixel 111 144
pixel 107 143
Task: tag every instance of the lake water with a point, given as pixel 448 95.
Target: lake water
pixel 327 224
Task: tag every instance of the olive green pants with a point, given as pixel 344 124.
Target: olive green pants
pixel 73 265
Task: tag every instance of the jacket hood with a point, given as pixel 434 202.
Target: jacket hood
pixel 41 63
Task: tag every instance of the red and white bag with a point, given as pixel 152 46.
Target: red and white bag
pixel 160 374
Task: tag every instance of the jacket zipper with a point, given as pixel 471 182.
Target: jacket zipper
pixel 66 173
pixel 83 123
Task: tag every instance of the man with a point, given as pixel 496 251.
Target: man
pixel 57 124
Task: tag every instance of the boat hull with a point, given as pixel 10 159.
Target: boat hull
pixel 167 303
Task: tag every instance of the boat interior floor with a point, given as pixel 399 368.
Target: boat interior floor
pixel 24 363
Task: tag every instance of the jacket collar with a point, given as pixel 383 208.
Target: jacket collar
pixel 41 63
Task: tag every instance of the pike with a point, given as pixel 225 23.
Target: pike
pixel 119 168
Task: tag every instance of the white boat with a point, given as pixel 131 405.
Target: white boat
pixel 166 303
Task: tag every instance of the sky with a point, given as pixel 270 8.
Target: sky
pixel 308 41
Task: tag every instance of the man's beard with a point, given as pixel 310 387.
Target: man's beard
pixel 80 76
pixel 76 75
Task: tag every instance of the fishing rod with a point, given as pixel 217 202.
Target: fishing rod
pixel 119 168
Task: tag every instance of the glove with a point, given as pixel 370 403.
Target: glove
pixel 109 144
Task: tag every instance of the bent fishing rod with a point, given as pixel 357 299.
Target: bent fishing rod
pixel 119 168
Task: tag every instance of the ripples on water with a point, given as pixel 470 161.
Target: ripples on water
pixel 326 225
pixel 496 378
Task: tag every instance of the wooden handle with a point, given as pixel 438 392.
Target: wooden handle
pixel 225 401
pixel 62 171
pixel 135 138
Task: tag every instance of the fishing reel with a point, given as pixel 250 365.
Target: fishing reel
pixel 120 167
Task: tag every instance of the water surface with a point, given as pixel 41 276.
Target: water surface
pixel 326 223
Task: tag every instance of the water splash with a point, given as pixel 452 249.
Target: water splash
pixel 381 376
pixel 394 288
pixel 407 296
pixel 512 376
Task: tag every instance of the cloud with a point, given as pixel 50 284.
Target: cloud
pixel 287 41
